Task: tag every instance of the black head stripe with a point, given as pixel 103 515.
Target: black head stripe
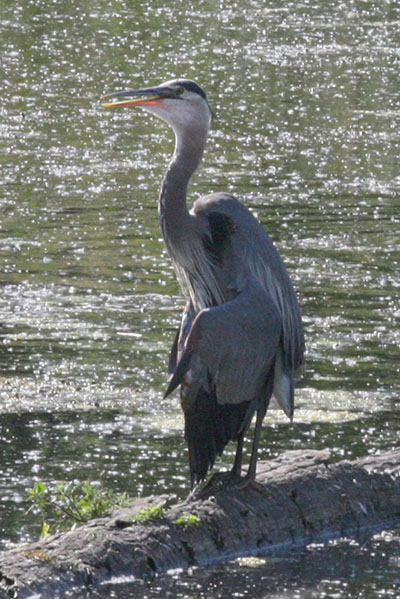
pixel 191 86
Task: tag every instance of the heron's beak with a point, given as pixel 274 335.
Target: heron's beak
pixel 149 96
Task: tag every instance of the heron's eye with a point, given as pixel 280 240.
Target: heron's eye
pixel 179 91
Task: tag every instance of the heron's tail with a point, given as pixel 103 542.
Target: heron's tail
pixel 209 426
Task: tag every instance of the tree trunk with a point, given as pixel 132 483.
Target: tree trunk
pixel 299 498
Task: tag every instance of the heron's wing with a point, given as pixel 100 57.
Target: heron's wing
pixel 269 270
pixel 256 250
pixel 235 343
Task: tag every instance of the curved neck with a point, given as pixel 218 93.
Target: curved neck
pixel 173 211
pixel 183 234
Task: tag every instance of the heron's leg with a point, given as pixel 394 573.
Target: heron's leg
pixel 251 473
pixel 232 479
pixel 237 465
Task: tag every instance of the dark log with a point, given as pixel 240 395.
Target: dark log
pixel 299 498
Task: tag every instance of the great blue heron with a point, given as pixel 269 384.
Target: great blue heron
pixel 241 335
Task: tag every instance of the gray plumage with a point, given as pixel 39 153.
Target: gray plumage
pixel 241 336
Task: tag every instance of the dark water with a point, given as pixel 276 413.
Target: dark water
pixel 306 97
pixel 340 569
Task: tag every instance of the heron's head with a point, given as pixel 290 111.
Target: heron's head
pixel 181 103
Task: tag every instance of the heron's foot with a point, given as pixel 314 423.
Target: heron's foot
pixel 227 481
pixel 249 481
pixel 218 482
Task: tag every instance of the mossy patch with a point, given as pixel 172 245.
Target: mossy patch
pixel 188 520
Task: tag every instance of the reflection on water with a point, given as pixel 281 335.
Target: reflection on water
pixel 337 571
pixel 306 97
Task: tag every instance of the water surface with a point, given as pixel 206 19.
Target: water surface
pixel 306 133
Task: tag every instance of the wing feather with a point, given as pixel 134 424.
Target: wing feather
pixel 258 252
pixel 236 343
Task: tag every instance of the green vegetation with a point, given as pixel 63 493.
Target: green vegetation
pixel 150 513
pixel 71 504
pixel 189 520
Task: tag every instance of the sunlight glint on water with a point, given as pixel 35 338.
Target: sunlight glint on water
pixel 306 133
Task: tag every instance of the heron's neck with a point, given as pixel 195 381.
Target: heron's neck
pixel 173 211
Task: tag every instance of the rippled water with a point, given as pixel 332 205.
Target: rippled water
pixel 306 97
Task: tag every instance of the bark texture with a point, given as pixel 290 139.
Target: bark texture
pixel 299 498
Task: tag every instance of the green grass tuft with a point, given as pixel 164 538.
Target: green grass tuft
pixel 149 513
pixel 189 520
